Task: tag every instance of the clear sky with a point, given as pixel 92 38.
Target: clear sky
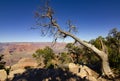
pixel 92 17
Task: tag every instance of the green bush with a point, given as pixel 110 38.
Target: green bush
pixel 113 44
pixel 65 57
pixel 46 54
pixel 2 63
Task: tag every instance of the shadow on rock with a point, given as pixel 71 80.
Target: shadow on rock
pixel 47 75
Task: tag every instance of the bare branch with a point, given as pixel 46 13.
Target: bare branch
pixel 71 27
pixel 51 26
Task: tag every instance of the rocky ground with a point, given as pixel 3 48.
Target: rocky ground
pixel 27 70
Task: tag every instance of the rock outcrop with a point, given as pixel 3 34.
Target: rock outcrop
pixel 3 75
pixel 84 72
pixel 15 72
pixel 24 63
pixel 21 67
pixel 72 73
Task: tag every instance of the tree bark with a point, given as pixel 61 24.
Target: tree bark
pixel 105 66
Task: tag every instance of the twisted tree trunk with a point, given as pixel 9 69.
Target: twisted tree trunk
pixel 102 55
pixel 53 24
pixel 106 70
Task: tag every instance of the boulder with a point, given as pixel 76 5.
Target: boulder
pixel 86 71
pixel 73 68
pixel 3 75
pixel 83 71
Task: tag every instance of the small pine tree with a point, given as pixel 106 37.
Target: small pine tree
pixel 46 54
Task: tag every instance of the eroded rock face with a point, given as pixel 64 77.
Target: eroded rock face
pixel 23 63
pixel 3 75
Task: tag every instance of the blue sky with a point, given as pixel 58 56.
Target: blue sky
pixel 92 17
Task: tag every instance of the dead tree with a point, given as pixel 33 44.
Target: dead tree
pixel 51 27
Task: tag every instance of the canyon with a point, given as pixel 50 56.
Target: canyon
pixel 14 51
